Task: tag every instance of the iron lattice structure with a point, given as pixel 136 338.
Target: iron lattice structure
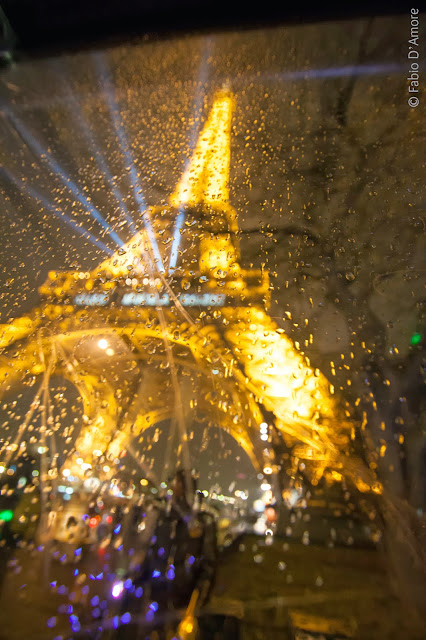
pixel 171 326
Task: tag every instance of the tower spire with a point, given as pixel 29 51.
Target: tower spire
pixel 207 177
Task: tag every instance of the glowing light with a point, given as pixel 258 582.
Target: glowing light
pixel 42 450
pixel 127 154
pixel 206 178
pixel 65 179
pixel 2 468
pixel 134 299
pixel 66 473
pixel 91 299
pixel 6 515
pixel 57 213
pixel 88 134
pixel 274 369
pixel 110 352
pixel 117 589
pixel 176 241
pixel 340 72
pixel 103 344
pixel 259 506
pixel 416 338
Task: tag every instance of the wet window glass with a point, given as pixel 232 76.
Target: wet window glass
pixel 212 337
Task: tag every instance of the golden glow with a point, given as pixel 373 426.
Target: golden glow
pixel 189 626
pixel 16 330
pixel 258 363
pixel 206 179
pixel 217 254
pixel 127 257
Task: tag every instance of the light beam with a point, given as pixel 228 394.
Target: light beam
pixel 125 147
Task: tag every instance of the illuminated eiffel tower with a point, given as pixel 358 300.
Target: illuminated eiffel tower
pixel 172 327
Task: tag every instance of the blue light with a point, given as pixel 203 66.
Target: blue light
pixel 148 299
pixel 94 601
pixel 58 214
pixel 126 149
pixel 202 80
pixel 117 528
pixel 339 72
pixel 37 148
pixel 139 592
pixel 170 574
pixel 156 574
pixel 156 300
pixel 154 606
pixel 115 622
pixel 327 72
pixel 78 114
pixel 191 560
pixel 128 583
pixel 126 617
pixel 176 241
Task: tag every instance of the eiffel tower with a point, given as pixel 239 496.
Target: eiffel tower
pixel 171 327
